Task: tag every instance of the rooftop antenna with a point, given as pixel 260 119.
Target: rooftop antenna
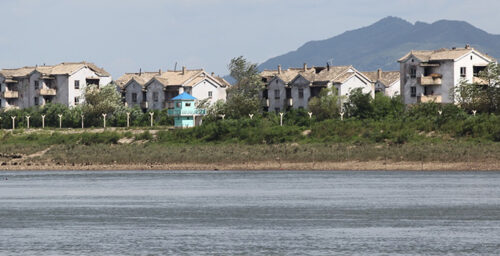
pixel 175 67
pixel 330 61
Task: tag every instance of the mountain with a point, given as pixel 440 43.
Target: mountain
pixel 381 44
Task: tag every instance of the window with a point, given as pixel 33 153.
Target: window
pixel 276 94
pixel 277 110
pixel 210 94
pixel 178 104
pixel 155 96
pixel 413 72
pixel 134 97
pixel 77 84
pixel 36 101
pixel 413 91
pixel 77 100
pixel 301 93
pixel 463 71
pixel 188 104
pixel 37 84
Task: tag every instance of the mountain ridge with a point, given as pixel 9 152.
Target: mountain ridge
pixel 382 43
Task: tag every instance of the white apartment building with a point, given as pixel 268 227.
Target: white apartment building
pixel 433 75
pixel 294 87
pixel 35 86
pixel 154 90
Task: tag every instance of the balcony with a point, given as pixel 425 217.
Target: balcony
pixel 47 92
pixel 429 98
pixel 434 79
pixel 11 94
pixel 186 112
pixel 144 105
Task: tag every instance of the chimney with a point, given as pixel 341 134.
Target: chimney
pixel 159 71
pixel 453 48
pixel 305 66
pixel 212 74
pixel 183 70
pixel 279 69
pixel 140 71
pixel 328 66
pixel 379 73
pixel 467 46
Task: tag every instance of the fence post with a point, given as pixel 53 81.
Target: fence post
pixel 251 116
pixel 281 118
pixel 128 119
pixel 28 121
pixel 310 115
pixel 223 116
pixel 82 121
pixel 60 120
pixel 13 122
pixel 104 117
pixel 342 115
pixel 474 112
pixel 440 112
pixel 151 114
pixel 43 121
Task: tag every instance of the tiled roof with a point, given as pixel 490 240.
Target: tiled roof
pixel 442 54
pixel 184 77
pixel 287 75
pixel 65 68
pixel 387 79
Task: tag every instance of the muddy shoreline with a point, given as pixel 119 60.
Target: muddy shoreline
pixel 255 166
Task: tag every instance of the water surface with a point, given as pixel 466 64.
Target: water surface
pixel 249 213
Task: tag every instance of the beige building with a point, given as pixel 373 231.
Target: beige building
pixel 433 75
pixel 35 86
pixel 386 82
pixel 154 90
pixel 294 87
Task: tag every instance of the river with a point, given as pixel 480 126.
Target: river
pixel 249 213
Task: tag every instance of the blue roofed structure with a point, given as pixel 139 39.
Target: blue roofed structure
pixel 184 96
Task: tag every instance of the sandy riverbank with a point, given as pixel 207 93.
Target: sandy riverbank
pixel 333 166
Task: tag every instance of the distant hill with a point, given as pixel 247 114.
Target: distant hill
pixel 381 44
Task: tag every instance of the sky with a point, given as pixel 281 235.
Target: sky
pixel 126 35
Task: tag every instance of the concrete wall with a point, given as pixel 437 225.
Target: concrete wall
pixel 393 90
pixel 155 87
pixel 201 89
pixel 276 84
pixel 300 83
pixel 356 82
pixel 133 87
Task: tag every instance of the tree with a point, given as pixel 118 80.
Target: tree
pixel 327 105
pixel 483 94
pixel 98 101
pixel 359 104
pixel 244 97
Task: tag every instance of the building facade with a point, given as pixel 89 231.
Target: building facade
pixel 155 90
pixel 433 75
pixel 386 82
pixel 294 87
pixel 36 86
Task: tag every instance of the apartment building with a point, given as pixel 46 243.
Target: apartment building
pixel 433 75
pixel 155 90
pixel 63 83
pixel 294 87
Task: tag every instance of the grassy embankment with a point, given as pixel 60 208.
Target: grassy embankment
pixel 260 144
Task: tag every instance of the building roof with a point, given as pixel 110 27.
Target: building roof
pixel 65 68
pixel 184 96
pixel 387 77
pixel 443 54
pixel 286 75
pixel 185 77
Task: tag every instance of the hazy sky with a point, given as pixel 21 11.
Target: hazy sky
pixel 125 35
